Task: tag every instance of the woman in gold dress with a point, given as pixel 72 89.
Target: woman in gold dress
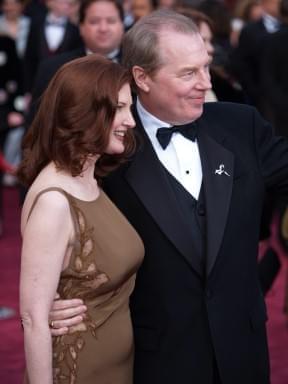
pixel 75 241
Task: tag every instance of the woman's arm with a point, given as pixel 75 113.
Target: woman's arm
pixel 46 238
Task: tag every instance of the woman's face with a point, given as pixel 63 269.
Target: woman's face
pixel 207 37
pixel 123 121
pixel 141 8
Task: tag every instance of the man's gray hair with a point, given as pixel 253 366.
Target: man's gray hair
pixel 140 43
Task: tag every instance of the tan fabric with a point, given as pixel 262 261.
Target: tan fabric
pixel 100 350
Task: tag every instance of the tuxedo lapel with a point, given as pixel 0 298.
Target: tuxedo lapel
pixel 218 190
pixel 148 179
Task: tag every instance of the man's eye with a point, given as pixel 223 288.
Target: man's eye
pixel 189 74
pixel 112 21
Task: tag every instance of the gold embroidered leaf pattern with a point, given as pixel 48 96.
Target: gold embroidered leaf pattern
pixel 91 267
pixel 81 220
pixel 78 283
pixel 78 263
pixel 73 352
pixel 87 248
pixel 72 379
pixel 80 343
pixel 60 357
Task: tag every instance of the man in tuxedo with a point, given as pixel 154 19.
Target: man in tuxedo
pixel 50 34
pixel 101 28
pixel 194 192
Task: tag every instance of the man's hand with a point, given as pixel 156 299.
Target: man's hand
pixel 67 313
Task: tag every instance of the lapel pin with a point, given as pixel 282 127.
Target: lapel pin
pixel 221 170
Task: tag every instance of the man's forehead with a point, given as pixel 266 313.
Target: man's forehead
pixel 173 35
pixel 171 41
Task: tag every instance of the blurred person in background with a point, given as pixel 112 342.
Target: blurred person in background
pixel 274 83
pixel 246 64
pixel 35 9
pixel 221 18
pixel 140 8
pixel 274 73
pixel 248 55
pixel 48 36
pixel 16 25
pixel 101 28
pixel 9 91
pixel 73 13
pixel 244 12
pixel 205 25
pixel 216 38
pixel 172 4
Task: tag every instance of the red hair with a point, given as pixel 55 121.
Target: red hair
pixel 74 119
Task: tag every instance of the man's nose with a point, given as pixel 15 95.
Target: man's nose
pixel 103 25
pixel 204 81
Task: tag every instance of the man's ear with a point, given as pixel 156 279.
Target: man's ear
pixel 141 78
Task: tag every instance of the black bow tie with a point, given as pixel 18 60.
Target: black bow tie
pixel 164 134
pixel 61 22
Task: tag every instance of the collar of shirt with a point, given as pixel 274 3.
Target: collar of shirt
pixel 111 56
pixel 150 124
pixel 181 157
pixel 271 24
pixel 56 20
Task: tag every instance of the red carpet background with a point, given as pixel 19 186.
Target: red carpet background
pixel 11 338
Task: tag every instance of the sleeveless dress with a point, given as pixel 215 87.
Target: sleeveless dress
pixel 100 349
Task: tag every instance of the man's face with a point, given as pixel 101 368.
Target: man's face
pixel 271 7
pixel 102 29
pixel 141 8
pixel 176 92
pixel 59 7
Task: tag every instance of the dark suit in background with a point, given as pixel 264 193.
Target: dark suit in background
pixel 246 62
pixel 274 78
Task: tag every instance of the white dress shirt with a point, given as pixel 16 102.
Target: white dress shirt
pixel 271 24
pixel 181 157
pixel 55 31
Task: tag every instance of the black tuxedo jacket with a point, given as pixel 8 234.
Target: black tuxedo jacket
pixel 183 320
